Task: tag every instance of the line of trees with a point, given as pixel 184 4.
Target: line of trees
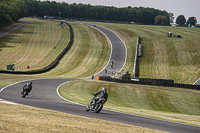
pixel 11 11
pixel 129 14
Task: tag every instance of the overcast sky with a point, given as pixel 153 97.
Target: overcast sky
pixel 188 8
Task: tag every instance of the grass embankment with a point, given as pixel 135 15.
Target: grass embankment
pixel 6 27
pixel 172 104
pixel 162 57
pixel 31 44
pixel 89 54
pixel 81 61
pixel 21 119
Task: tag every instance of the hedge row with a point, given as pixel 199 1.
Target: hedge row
pixel 155 82
pixel 50 66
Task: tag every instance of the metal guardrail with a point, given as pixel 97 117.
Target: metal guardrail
pixel 136 65
pixel 147 81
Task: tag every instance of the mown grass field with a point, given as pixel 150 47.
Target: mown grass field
pixel 162 57
pixel 88 55
pixel 31 44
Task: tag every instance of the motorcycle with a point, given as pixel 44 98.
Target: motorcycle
pixel 25 91
pixel 96 107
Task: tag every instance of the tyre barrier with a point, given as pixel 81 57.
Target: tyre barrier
pixel 147 81
pixel 50 66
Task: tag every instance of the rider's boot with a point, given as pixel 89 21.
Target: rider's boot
pixel 22 92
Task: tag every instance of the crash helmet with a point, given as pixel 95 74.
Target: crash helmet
pixel 104 89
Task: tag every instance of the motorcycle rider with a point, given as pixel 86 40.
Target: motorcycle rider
pixel 102 95
pixel 28 87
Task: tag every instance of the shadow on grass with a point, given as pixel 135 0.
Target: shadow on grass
pixel 7 39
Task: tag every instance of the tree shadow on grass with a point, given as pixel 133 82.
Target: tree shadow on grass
pixel 5 40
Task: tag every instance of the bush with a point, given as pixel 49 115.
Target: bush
pixel 161 20
pixel 5 19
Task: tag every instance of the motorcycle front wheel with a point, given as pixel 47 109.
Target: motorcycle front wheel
pixel 24 94
pixel 98 107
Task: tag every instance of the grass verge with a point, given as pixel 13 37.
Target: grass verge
pixel 172 104
pixel 17 118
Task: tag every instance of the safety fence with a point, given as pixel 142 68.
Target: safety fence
pixel 147 81
pixel 138 53
pixel 50 66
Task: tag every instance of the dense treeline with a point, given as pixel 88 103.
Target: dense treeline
pixel 141 14
pixel 12 10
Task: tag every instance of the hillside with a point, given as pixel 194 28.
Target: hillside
pixel 167 103
pixel 87 56
pixel 162 57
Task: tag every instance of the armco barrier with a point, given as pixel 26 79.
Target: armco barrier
pixel 155 82
pixel 136 62
pixel 50 66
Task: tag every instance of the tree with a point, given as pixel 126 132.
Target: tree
pixel 161 20
pixel 180 20
pixel 21 7
pixel 191 21
pixel 11 11
pixel 5 19
pixel 171 16
pixel 139 15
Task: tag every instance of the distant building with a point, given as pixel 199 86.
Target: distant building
pixel 50 17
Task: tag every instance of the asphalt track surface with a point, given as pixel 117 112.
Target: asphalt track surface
pixel 44 95
pixel 118 52
pixel 197 82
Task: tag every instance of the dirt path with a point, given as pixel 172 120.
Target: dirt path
pixel 12 28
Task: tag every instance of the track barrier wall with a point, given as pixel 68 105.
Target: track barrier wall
pixel 138 54
pixel 50 66
pixel 154 82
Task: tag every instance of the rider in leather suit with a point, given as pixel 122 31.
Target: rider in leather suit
pixel 27 87
pixel 102 95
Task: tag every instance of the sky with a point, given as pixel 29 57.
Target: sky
pixel 188 8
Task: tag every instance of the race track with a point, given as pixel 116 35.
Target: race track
pixel 44 95
pixel 118 52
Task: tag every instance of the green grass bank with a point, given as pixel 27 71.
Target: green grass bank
pixel 172 104
pixel 162 57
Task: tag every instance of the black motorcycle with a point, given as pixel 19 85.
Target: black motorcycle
pixel 96 107
pixel 25 91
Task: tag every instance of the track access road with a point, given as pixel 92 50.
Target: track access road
pixel 44 95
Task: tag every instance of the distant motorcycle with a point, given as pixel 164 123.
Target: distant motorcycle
pixel 96 107
pixel 26 89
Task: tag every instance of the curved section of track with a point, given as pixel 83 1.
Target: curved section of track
pixel 44 95
pixel 118 52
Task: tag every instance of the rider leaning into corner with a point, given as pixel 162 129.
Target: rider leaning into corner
pixel 27 86
pixel 102 95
